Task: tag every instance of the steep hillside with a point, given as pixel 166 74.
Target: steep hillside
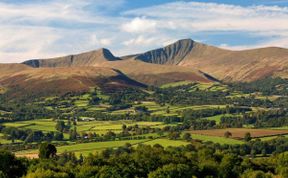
pixel 227 65
pixel 84 59
pixel 171 54
pixel 156 74
pixel 247 65
pixel 53 81
pixel 8 69
pixel 150 74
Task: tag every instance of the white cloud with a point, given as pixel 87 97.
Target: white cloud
pixel 196 16
pixel 56 27
pixel 53 28
pixel 139 25
pixel 140 40
pixel 105 41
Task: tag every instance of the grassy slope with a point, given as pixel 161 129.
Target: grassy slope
pixel 167 142
pixel 220 140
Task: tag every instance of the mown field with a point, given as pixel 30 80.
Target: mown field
pixel 216 139
pixel 94 147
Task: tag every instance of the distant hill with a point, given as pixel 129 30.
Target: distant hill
pixel 184 60
pixel 58 81
pixel 150 74
pixel 84 59
pixel 227 65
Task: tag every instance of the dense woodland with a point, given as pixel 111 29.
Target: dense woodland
pixel 193 160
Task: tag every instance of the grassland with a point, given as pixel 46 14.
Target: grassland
pixel 85 148
pixel 156 109
pixel 271 137
pixel 216 139
pixel 102 127
pixel 216 118
pixel 176 84
pixel 280 128
pixel 5 141
pixel 99 127
pixel 43 124
pixel 209 87
pixel 167 142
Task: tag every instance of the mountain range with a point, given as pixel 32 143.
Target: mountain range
pixel 184 60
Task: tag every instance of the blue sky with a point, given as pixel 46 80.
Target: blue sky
pixel 41 29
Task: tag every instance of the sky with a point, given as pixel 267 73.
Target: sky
pixel 32 29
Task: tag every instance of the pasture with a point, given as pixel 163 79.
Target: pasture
pixel 216 139
pixel 156 109
pixel 99 127
pixel 176 84
pixel 82 148
pixel 94 147
pixel 41 124
pixel 166 142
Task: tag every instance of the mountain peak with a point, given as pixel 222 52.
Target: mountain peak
pixel 90 58
pixel 171 54
pixel 185 40
pixel 107 54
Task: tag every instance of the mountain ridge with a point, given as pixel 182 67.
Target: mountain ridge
pixel 83 59
pixel 184 60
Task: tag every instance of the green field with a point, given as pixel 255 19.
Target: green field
pixel 279 128
pixel 167 142
pixel 217 118
pixel 5 141
pixel 86 148
pixel 156 109
pixel 271 137
pixel 176 84
pixel 215 139
pixel 43 124
pixel 99 127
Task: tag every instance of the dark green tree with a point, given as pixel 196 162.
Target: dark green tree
pixel 172 171
pixel 10 166
pixel 187 137
pixel 47 150
pixel 247 137
pixel 60 126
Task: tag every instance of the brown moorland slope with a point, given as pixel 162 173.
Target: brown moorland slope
pixel 156 74
pixel 183 60
pixel 147 73
pixel 227 65
pixel 8 69
pixel 84 59
pixel 53 81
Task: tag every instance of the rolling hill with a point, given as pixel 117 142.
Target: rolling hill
pixel 184 60
pixel 227 65
pixel 147 73
pixel 57 81
pixel 78 73
pixel 84 59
